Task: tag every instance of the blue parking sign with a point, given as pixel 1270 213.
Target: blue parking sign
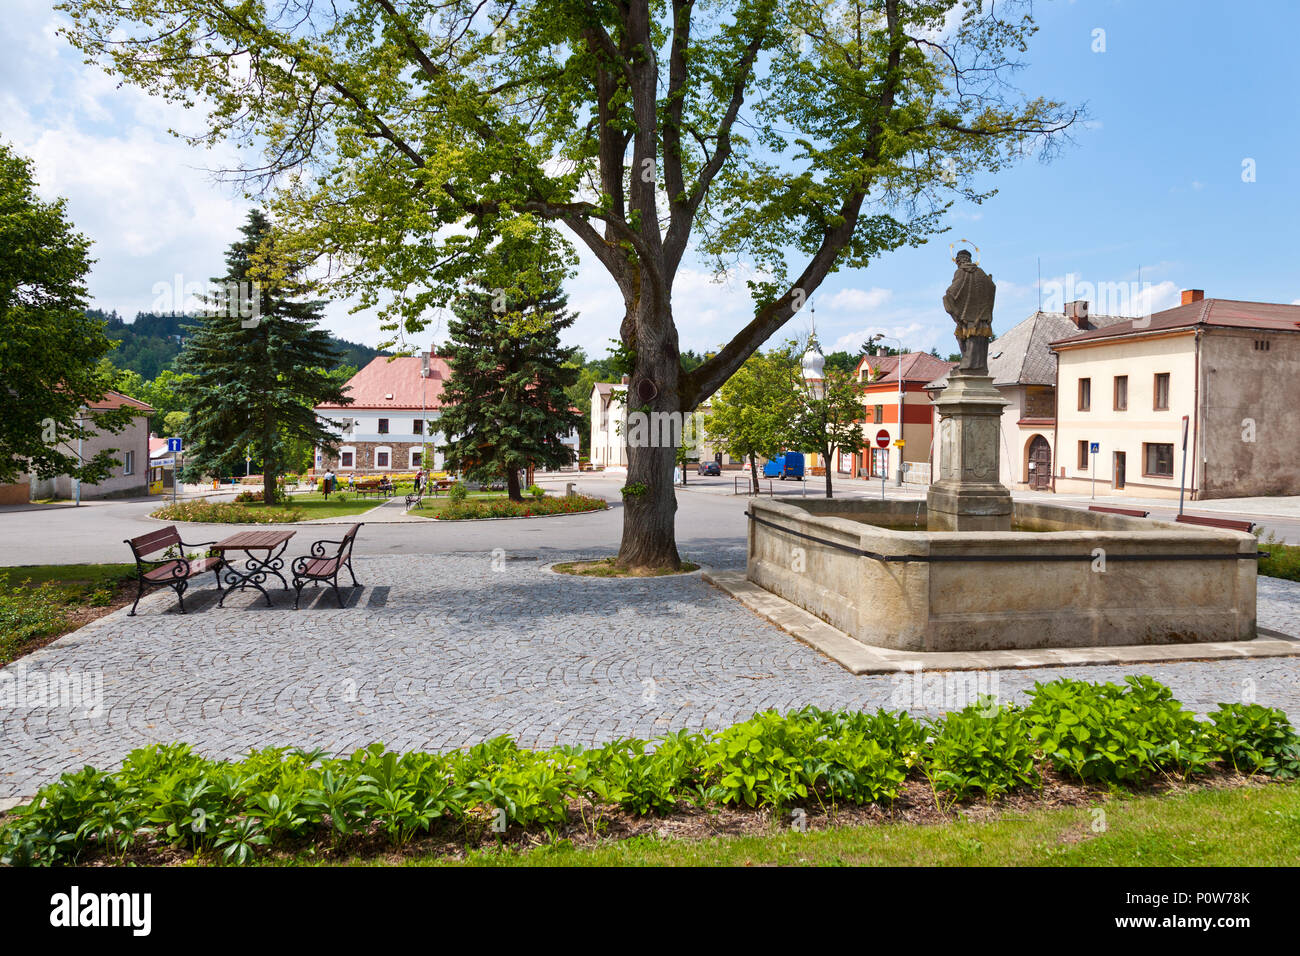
pixel 173 444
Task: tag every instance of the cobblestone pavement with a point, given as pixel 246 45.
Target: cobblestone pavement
pixel 442 651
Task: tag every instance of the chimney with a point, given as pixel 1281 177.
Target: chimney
pixel 1077 312
pixel 1193 295
pixel 624 380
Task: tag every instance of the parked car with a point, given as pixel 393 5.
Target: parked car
pixel 710 468
pixel 788 465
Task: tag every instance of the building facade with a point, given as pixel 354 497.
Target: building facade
pixel 392 423
pixel 609 424
pixel 129 477
pixel 1199 400
pixel 1023 368
pixel 879 375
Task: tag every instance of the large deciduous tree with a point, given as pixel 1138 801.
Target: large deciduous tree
pixel 256 365
pixel 50 349
pixel 402 135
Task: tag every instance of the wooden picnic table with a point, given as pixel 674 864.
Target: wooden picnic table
pixel 256 570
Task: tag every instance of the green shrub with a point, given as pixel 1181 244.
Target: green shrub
pixel 457 493
pixel 28 612
pixel 982 749
pixel 1116 734
pixel 1283 560
pixel 537 491
pixel 1257 739
pixel 505 508
pixel 227 513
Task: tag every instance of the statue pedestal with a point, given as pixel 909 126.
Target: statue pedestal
pixel 969 495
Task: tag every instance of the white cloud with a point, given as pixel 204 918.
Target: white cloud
pixel 858 300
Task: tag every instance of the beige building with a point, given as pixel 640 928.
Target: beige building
pixel 609 424
pixel 881 397
pixel 129 476
pixel 1024 373
pixel 1223 373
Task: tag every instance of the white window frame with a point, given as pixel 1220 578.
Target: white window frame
pixel 128 466
pixel 351 449
pixel 410 457
pixel 384 449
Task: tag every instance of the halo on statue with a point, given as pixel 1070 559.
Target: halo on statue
pixel 953 245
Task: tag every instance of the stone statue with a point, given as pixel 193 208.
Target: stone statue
pixel 969 300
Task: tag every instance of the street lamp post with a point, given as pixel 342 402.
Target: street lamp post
pixel 424 424
pixel 898 373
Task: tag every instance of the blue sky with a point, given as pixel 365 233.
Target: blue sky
pixel 1182 95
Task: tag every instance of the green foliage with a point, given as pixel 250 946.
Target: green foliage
pixel 752 412
pixel 220 512
pixel 502 507
pixel 167 795
pixel 635 489
pixel 1115 734
pixel 30 612
pixel 537 491
pixel 1257 739
pixel 457 493
pixel 506 406
pixel 982 749
pixel 49 347
pixel 251 380
pixel 1283 559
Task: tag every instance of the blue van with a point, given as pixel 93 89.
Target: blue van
pixel 788 465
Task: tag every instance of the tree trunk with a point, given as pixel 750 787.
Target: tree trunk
pixel 826 457
pixel 650 504
pixel 753 470
pixel 268 463
pixel 512 484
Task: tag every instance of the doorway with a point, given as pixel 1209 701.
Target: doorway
pixel 1040 464
pixel 1120 466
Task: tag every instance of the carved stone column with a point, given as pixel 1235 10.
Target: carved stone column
pixel 969 495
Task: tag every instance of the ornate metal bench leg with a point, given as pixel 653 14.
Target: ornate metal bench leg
pixel 138 594
pixel 297 592
pixel 337 593
pixel 180 587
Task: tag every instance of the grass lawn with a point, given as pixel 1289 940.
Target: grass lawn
pixel 1283 560
pixel 40 602
pixel 1241 826
pixel 314 505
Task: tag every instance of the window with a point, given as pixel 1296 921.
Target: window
pixel 417 427
pixel 1162 391
pixel 1083 456
pixel 383 426
pixel 1085 394
pixel 346 458
pixel 128 466
pixel 1121 393
pixel 880 414
pixel 382 456
pixel 1159 460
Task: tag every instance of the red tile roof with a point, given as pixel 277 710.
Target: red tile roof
pixel 113 400
pixel 917 367
pixel 1219 313
pixel 396 383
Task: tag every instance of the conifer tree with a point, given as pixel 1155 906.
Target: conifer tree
pixel 508 404
pixel 260 364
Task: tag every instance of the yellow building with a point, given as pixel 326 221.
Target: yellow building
pixel 1223 374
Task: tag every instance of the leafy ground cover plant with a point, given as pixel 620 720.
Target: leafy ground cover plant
pixel 1109 733
pixel 168 799
pixel 459 509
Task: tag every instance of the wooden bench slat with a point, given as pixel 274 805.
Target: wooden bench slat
pixel 1231 524
pixel 156 540
pixel 1130 512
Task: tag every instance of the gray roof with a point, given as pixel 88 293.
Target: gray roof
pixel 1022 355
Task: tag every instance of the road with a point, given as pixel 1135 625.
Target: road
pixel 709 516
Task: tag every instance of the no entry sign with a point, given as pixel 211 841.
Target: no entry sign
pixel 882 438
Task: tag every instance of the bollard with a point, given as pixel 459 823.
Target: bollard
pixel 570 489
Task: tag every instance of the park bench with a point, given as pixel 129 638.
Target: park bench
pixel 1230 524
pixel 1130 512
pixel 321 566
pixel 171 570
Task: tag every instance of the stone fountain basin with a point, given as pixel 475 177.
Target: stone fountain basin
pixel 1039 587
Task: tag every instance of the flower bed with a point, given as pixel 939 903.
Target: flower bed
pixel 471 508
pixel 227 513
pixel 1102 736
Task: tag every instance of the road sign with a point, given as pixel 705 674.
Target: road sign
pixel 899 443
pixel 882 438
pixel 167 462
pixel 1094 447
pixel 173 444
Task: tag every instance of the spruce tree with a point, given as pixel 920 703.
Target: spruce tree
pixel 506 406
pixel 260 365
